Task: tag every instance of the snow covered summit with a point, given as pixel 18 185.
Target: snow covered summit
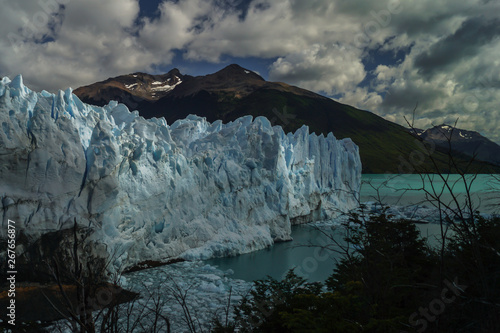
pixel 152 191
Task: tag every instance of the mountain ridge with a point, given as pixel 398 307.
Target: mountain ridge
pixel 234 91
pixel 135 87
pixel 470 143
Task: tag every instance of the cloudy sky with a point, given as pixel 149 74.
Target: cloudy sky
pixel 384 56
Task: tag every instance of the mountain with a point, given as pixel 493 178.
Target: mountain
pixel 150 191
pixel 470 143
pixel 129 89
pixel 233 92
pixel 233 81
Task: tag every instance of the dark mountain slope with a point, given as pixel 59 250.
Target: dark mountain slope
pixel 234 92
pixel 469 143
pixel 130 89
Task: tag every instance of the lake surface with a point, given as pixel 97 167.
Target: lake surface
pixel 408 189
pixel 316 264
pixel 303 253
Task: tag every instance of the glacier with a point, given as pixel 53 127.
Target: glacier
pixel 152 191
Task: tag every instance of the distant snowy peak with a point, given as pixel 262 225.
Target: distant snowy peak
pixel 469 143
pixel 444 132
pixel 455 131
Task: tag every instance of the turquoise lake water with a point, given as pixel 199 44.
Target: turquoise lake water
pixel 408 189
pixel 303 254
pixel 315 264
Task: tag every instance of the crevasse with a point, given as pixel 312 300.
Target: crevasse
pixel 151 191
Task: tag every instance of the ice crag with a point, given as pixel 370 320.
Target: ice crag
pixel 152 191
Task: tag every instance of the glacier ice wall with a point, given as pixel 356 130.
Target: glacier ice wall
pixel 153 191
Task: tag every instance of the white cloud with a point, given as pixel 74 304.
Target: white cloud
pixel 91 43
pixel 174 28
pixel 362 98
pixel 334 69
pixel 468 92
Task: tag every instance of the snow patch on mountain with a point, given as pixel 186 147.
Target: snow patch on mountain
pixel 131 86
pixel 151 191
pixel 163 86
pixel 465 136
